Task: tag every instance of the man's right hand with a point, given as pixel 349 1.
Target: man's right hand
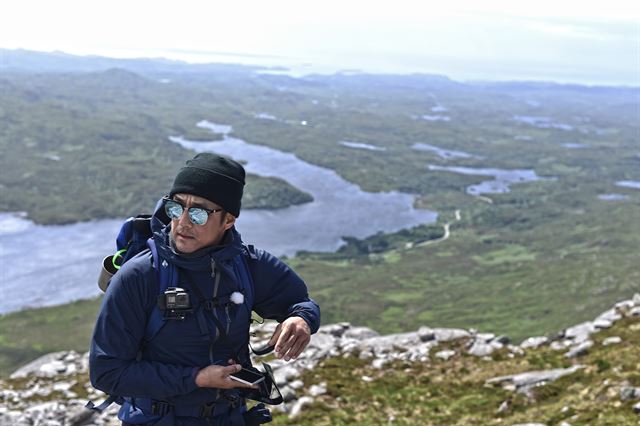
pixel 217 376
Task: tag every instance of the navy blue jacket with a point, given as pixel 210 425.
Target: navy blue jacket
pixel 123 363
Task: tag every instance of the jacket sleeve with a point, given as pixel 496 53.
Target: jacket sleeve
pixel 280 293
pixel 118 337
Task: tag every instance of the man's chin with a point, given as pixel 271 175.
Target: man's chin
pixel 185 245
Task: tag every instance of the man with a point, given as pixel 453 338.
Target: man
pixel 181 376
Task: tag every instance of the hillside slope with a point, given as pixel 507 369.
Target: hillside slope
pixel 584 375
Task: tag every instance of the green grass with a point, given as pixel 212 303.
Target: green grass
pixel 454 392
pixel 28 334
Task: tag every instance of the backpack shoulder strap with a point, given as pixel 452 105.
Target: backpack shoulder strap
pixel 167 275
pixel 241 263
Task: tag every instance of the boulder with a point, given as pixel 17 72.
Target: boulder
pixel 533 342
pixel 482 349
pixel 579 350
pixel 445 355
pixel 524 382
pixel 580 332
pixel 297 406
pixel 613 340
pixel 317 390
pixel 48 365
pixel 360 333
pixel 612 315
pixel 449 334
pixel 628 393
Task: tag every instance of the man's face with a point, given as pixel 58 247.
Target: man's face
pixel 189 237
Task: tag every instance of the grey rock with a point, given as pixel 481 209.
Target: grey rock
pixel 285 373
pixel 445 354
pixel 378 363
pixel 628 393
pixel 288 394
pixel 636 408
pixel 625 304
pixel 602 324
pixel 335 330
pixel 558 345
pixel 612 315
pixel 360 333
pixel 529 424
pixel 391 343
pixel 317 390
pixel 634 312
pixel 483 349
pixel 523 382
pixel 13 418
pixel 579 350
pixel 636 299
pixel 503 340
pixel 46 366
pixel 297 406
pixel 613 340
pixel 580 332
pixel 365 353
pixel 420 352
pixel 485 337
pixel 81 417
pixel 449 334
pixel 296 384
pixel 515 350
pixel 322 344
pixel 426 334
pixel 533 342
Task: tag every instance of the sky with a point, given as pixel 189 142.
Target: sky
pixel 583 41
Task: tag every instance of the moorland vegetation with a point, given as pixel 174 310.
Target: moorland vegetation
pixel 545 255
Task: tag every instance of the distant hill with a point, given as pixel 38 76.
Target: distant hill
pixel 33 61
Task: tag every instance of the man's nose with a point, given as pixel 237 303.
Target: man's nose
pixel 184 220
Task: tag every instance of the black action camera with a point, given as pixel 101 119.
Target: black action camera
pixel 175 303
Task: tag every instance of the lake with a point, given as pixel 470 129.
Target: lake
pixel 49 265
pixel 502 178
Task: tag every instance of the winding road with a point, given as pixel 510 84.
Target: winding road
pixel 446 235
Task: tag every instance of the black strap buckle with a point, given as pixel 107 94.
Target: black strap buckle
pixel 207 410
pixel 106 403
pixel 160 408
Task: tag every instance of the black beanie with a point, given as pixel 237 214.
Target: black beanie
pixel 211 176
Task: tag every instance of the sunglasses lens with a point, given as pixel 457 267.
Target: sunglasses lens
pixel 173 209
pixel 198 216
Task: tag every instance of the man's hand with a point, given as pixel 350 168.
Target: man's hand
pixel 217 376
pixel 290 338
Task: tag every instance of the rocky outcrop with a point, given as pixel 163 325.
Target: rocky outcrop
pixel 53 389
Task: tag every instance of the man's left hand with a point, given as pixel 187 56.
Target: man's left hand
pixel 290 338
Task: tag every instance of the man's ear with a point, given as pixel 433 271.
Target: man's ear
pixel 229 221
